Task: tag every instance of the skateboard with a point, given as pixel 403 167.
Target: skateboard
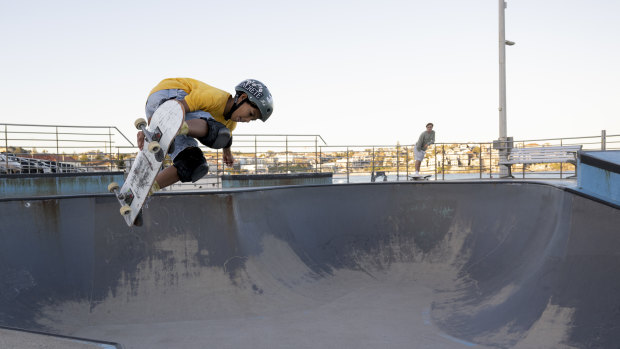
pixel 166 123
pixel 420 178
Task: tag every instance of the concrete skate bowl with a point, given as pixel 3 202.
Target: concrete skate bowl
pixel 399 265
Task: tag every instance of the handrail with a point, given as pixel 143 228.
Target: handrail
pixel 278 153
pixel 279 135
pixel 64 133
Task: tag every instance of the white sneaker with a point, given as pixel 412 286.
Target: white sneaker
pixel 416 174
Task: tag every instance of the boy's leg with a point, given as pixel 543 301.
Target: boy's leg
pixel 218 136
pixel 209 132
pixel 189 164
pixel 197 128
pixel 167 177
pixel 159 97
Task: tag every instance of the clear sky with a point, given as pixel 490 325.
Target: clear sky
pixel 356 72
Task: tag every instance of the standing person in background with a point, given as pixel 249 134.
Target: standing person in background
pixel 426 138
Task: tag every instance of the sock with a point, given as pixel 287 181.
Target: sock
pixel 154 188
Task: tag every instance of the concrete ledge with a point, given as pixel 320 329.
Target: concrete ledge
pixel 605 160
pixel 262 180
pixel 21 185
pixel 599 175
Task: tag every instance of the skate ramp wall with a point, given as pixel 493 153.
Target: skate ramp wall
pixel 23 185
pixel 492 264
pixel 599 174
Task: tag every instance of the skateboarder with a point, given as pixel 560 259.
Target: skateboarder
pixel 426 138
pixel 211 115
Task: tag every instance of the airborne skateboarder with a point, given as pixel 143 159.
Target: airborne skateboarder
pixel 211 115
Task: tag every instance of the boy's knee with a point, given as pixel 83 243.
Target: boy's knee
pixel 188 163
pixel 218 136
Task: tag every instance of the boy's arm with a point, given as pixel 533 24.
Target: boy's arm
pixel 228 157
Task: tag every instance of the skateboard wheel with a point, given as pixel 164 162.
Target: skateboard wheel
pixel 125 210
pixel 139 123
pixel 154 147
pixel 112 187
pixel 184 129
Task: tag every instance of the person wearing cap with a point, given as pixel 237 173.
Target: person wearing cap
pixel 211 115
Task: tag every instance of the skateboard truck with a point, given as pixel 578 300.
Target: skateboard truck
pixel 152 137
pixel 124 198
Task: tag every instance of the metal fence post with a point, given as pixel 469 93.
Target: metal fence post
pixel 217 165
pixel 435 150
pixel 443 162
pixel 397 162
pixel 255 155
pixel 560 165
pixel 603 140
pixel 491 161
pixel 286 141
pixel 373 163
pixel 57 147
pixel 480 159
pixel 407 161
pixel 347 164
pixel 110 139
pixel 316 155
pixel 6 146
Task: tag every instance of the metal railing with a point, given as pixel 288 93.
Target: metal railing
pixel 261 154
pixel 60 148
pixel 105 148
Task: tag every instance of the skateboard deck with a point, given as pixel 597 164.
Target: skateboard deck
pixel 159 134
pixel 420 178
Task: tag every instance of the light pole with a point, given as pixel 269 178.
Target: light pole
pixel 503 132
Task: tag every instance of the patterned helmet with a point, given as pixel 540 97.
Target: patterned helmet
pixel 259 95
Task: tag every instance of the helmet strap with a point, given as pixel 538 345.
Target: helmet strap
pixel 235 106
